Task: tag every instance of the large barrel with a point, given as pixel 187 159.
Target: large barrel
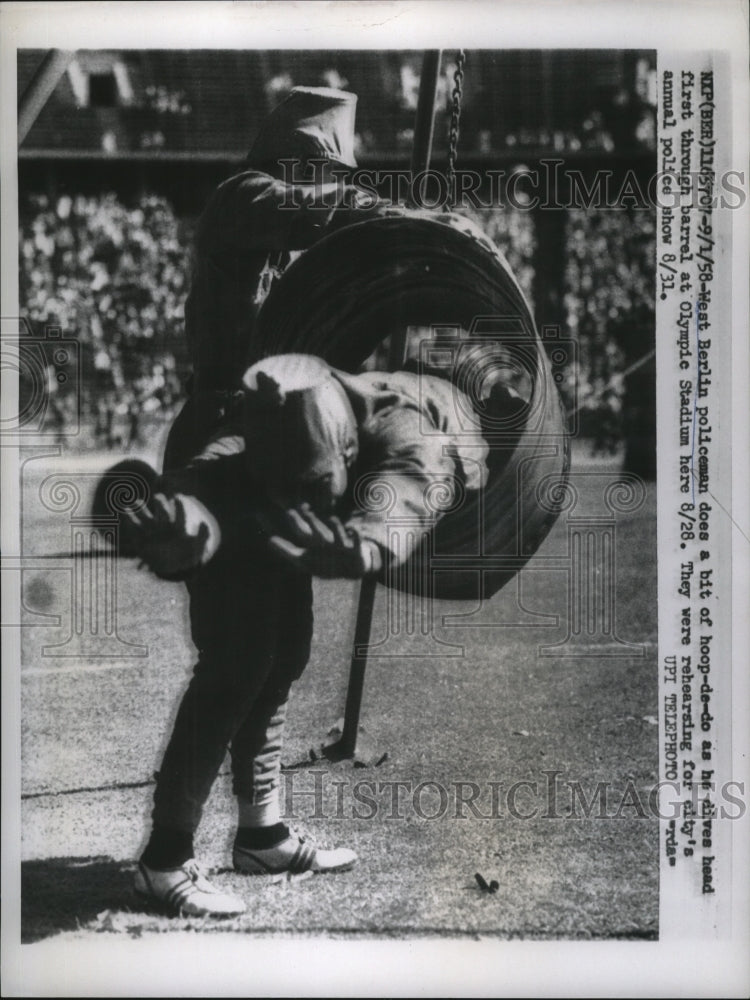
pixel 440 275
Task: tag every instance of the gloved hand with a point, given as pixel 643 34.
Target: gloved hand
pixel 324 547
pixel 174 536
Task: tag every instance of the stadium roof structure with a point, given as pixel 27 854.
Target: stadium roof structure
pixel 207 105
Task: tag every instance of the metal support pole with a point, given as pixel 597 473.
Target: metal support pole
pixel 420 161
pixel 40 87
pixel 362 629
pixel 424 125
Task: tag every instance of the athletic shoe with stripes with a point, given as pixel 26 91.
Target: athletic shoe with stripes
pixel 185 891
pixel 294 855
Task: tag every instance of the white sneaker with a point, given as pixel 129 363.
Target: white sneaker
pixel 185 891
pixel 294 855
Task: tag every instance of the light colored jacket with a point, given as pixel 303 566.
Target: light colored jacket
pixel 420 452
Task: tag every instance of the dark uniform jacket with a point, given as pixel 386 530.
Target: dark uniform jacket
pixel 251 226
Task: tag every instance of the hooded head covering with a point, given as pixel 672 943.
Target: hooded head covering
pixel 300 431
pixel 311 123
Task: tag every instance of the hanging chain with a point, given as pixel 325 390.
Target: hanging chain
pixel 458 79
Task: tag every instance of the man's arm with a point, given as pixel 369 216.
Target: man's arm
pixel 196 509
pixel 410 480
pixel 324 546
pixel 256 212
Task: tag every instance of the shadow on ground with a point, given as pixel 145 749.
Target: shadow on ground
pixel 63 894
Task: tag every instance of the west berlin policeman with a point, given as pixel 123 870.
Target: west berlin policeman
pixel 248 620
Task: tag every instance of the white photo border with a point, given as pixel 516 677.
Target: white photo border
pixel 309 967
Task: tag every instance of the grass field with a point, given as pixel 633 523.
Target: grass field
pixel 485 709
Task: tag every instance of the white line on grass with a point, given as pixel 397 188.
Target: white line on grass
pixel 76 668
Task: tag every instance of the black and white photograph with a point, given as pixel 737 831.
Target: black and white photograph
pixel 374 529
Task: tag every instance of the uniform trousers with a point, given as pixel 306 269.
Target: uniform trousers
pixel 251 623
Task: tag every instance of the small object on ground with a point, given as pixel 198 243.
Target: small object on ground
pixel 490 887
pixel 294 855
pixel 185 891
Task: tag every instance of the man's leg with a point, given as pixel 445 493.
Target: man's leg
pixel 256 760
pixel 235 615
pixel 232 611
pixel 264 843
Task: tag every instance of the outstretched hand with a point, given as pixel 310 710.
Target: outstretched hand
pixel 174 535
pixel 323 546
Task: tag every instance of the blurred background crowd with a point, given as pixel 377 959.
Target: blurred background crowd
pixel 115 277
pixel 109 200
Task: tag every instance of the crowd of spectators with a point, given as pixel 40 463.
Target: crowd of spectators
pixel 115 277
pixel 614 117
pixel 609 310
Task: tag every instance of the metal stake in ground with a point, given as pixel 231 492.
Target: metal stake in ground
pixel 347 746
